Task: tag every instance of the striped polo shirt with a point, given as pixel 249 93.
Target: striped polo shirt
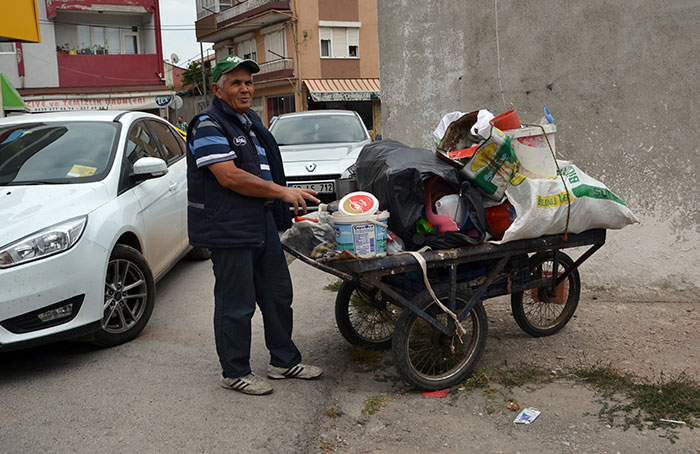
pixel 209 144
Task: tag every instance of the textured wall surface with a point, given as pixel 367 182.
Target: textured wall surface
pixel 621 80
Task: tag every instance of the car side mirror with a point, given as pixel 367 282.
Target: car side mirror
pixel 147 168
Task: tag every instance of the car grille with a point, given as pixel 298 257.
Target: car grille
pixel 310 178
pixel 29 322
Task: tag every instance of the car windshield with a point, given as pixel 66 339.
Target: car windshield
pixel 44 153
pixel 309 129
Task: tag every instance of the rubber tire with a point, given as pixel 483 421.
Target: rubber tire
pixel 104 338
pixel 405 324
pixel 345 324
pixel 517 300
pixel 199 253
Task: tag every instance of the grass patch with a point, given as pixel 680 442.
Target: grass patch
pixel 333 412
pixel 634 402
pixel 375 403
pixel 626 400
pixel 333 286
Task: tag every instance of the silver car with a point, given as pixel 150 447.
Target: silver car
pixel 318 147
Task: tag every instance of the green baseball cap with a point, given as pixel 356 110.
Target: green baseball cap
pixel 230 63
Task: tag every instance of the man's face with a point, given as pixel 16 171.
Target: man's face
pixel 179 119
pixel 236 89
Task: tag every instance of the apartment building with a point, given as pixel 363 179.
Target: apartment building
pixel 313 54
pixel 93 55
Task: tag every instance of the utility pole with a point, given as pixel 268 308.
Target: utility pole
pixel 204 74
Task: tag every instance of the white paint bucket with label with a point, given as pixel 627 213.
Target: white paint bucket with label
pixel 362 234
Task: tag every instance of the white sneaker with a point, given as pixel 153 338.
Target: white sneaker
pixel 303 371
pixel 250 384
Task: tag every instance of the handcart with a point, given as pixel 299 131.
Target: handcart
pixel 383 301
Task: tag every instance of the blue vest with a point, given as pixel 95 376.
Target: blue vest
pixel 217 216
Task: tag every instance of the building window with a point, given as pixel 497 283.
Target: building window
pixel 278 105
pixel 275 45
pixel 340 42
pixel 130 42
pixel 7 48
pixel 326 47
pixel 114 42
pixel 103 40
pixel 248 49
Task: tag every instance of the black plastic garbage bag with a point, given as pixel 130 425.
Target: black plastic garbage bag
pixel 396 174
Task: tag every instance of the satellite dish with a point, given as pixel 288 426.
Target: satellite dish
pixel 178 103
pixel 174 58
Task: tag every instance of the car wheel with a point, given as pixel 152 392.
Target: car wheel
pixel 199 253
pixel 128 299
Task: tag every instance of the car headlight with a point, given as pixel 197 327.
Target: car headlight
pixel 44 243
pixel 349 172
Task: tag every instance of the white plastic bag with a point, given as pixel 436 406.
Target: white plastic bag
pixel 481 127
pixel 541 206
pixel 314 239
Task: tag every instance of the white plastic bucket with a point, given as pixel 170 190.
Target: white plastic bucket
pixel 362 234
pixel 532 150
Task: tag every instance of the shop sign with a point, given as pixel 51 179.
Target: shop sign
pixel 131 103
pixel 328 96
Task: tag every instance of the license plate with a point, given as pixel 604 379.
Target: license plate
pixel 328 186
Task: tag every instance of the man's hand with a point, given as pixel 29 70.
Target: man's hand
pixel 298 198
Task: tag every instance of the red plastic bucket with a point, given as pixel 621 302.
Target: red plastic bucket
pixel 500 217
pixel 506 120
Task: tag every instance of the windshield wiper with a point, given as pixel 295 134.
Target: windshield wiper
pixel 31 182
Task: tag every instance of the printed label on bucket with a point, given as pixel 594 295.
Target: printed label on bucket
pixel 364 239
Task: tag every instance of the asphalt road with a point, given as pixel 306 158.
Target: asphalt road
pixel 160 393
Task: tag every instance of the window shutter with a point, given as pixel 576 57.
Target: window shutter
pixel 340 42
pixel 354 37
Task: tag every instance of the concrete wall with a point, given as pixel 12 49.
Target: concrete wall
pixel 40 62
pixel 620 79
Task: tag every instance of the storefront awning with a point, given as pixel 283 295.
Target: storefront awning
pixel 10 100
pixel 324 90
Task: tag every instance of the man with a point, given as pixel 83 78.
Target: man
pixel 181 124
pixel 234 173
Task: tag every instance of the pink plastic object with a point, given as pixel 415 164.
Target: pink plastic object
pixel 435 188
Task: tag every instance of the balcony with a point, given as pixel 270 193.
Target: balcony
pixel 240 19
pixel 275 69
pixel 250 8
pixel 108 70
pixel 101 6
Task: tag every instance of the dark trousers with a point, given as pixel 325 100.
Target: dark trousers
pixel 244 276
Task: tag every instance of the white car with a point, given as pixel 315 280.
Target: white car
pixel 93 209
pixel 318 147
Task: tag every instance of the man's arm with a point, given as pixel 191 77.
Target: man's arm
pixel 230 176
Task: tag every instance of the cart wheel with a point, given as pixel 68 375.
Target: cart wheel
pixel 365 318
pixel 427 358
pixel 541 311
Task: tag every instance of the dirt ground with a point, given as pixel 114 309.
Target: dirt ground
pixel 653 340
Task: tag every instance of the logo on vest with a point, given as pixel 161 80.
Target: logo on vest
pixel 240 141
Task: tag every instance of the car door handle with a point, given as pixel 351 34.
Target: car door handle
pixel 172 186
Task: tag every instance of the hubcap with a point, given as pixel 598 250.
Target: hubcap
pixel 126 294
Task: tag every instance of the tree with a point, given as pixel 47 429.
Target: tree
pixel 193 75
